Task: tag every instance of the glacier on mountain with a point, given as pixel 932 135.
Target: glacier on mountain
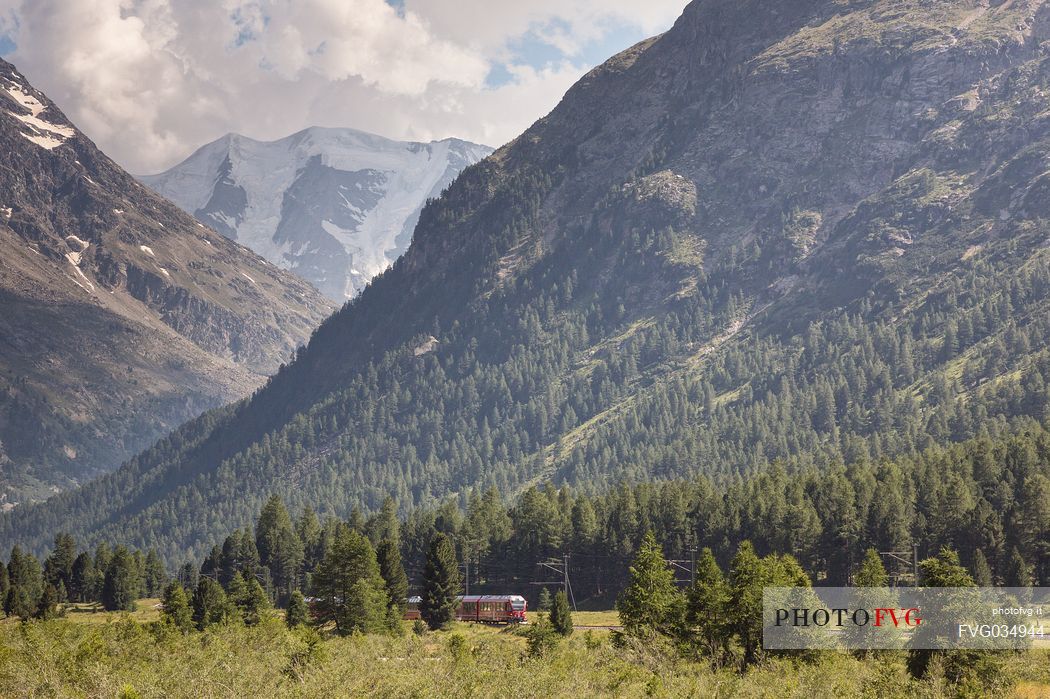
pixel 335 206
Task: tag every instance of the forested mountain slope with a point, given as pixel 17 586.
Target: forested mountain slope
pixel 120 316
pixel 810 231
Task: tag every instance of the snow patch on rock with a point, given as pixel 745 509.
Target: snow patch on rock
pixel 147 249
pixel 43 133
pixel 73 240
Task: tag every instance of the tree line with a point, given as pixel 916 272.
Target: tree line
pixel 988 499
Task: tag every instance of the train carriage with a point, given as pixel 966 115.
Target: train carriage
pixel 486 609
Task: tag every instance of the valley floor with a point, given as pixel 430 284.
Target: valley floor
pixel 111 655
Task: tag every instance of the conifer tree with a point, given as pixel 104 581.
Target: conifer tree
pixel 59 564
pixel 280 550
pixel 237 590
pixel 706 608
pixel 561 615
pixel 120 584
pixel 982 572
pixel 385 525
pixel 84 584
pixel 350 591
pixel 650 603
pixel 746 580
pixel 175 607
pixel 154 575
pixel 871 572
pixel 440 583
pixel 395 580
pixel 545 601
pixel 103 554
pixel 255 603
pixel 26 584
pixel 297 614
pixel 47 606
pixel 1017 573
pixel 210 604
pixel 188 576
pixel 308 528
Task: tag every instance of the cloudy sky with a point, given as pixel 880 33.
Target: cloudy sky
pixel 151 80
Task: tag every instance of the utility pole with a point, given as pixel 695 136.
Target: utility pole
pixel 685 566
pixel 905 559
pixel 562 568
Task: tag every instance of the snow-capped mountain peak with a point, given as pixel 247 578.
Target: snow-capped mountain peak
pixel 335 206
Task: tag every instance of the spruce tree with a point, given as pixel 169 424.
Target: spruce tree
pixel 83 586
pixel 210 604
pixel 297 613
pixel 308 528
pixel 982 572
pixel 280 550
pixel 545 601
pixel 396 581
pixel 747 577
pixel 188 576
pixel 255 603
pixel 561 615
pixel 440 583
pixel 120 584
pixel 351 593
pixel 154 575
pixel 385 525
pixel 26 584
pixel 175 607
pixel 47 606
pixel 871 572
pixel 237 589
pixel 59 564
pixel 706 608
pixel 650 603
pixel 103 554
pixel 212 565
pixel 1017 572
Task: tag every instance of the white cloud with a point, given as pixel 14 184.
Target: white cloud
pixel 150 80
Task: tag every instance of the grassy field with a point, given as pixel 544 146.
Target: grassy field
pixel 123 655
pixel 147 610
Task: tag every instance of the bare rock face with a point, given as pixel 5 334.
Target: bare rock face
pixel 122 316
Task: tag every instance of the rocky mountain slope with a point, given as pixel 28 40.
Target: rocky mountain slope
pixel 121 316
pixel 335 206
pixel 811 231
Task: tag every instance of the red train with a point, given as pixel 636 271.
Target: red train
pixel 488 609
